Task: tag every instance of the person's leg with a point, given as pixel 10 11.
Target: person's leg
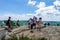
pixel 31 28
pixel 29 25
pixel 39 27
pixel 9 28
pixel 35 25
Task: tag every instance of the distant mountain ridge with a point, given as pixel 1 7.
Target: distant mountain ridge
pixel 24 22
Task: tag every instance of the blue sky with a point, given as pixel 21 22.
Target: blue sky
pixel 49 10
pixel 15 6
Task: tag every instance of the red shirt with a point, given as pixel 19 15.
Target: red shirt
pixel 39 21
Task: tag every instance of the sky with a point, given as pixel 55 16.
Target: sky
pixel 49 10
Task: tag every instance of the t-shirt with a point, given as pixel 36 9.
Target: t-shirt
pixel 30 21
pixel 39 21
pixel 35 20
pixel 9 22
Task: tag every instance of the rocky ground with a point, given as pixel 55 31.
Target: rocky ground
pixel 49 32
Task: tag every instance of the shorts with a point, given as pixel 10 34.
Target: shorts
pixel 34 24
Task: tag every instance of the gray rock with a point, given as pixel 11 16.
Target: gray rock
pixel 2 33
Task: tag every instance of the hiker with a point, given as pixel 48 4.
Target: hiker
pixel 39 23
pixel 9 24
pixel 30 23
pixel 34 21
pixel 48 24
pixel 44 24
pixel 18 24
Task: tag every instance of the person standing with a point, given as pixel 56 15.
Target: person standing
pixel 34 21
pixel 39 23
pixel 30 23
pixel 9 24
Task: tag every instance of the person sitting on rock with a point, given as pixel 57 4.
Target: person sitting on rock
pixel 18 24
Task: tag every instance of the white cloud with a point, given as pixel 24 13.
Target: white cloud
pixel 48 12
pixel 41 5
pixel 56 3
pixel 30 2
pixel 48 9
pixel 16 16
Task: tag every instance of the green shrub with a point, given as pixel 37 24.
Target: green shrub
pixel 3 38
pixel 42 38
pixel 14 37
pixel 12 22
pixel 58 24
pixel 24 38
